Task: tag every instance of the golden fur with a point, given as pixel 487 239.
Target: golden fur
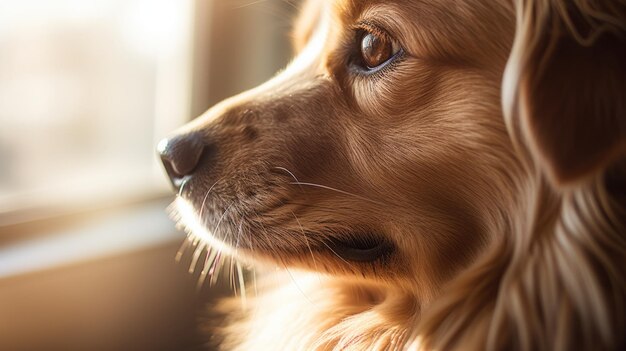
pixel 491 157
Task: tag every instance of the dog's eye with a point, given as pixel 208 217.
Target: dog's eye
pixel 376 49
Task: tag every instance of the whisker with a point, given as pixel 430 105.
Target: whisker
pixel 219 254
pixel 306 240
pixel 221 218
pixel 212 257
pixel 256 291
pixel 231 275
pixel 181 251
pixel 336 190
pixel 205 198
pixel 294 6
pixel 297 285
pixel 214 260
pixel 208 262
pixel 239 234
pixel 289 172
pixel 312 205
pixel 265 234
pixel 240 273
pixel 196 257
pixel 269 242
pixel 242 285
pixel 216 268
pixel 204 271
pixel 182 186
pixel 247 4
pixel 336 254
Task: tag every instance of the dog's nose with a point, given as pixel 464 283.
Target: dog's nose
pixel 180 155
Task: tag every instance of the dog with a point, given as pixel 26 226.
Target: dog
pixel 427 175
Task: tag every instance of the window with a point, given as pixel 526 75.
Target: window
pixel 87 87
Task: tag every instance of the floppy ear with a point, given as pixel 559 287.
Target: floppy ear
pixel 567 75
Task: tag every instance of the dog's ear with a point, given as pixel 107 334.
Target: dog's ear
pixel 565 85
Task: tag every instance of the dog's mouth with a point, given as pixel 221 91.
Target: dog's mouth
pixel 361 249
pixel 355 247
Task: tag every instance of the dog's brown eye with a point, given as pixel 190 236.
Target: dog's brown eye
pixel 377 49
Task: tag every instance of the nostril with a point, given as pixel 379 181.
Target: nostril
pixel 181 154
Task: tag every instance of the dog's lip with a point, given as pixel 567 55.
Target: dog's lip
pixel 364 249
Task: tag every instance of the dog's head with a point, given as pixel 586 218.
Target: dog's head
pixel 380 152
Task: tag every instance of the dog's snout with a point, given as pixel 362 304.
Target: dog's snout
pixel 180 155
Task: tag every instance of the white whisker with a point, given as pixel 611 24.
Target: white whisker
pixel 205 198
pixel 195 258
pixel 295 283
pixel 239 234
pixel 289 172
pixel 221 218
pixel 205 268
pixel 336 190
pixel 181 251
pixel 231 275
pixel 336 254
pixel 247 4
pixel 242 285
pixel 306 239
pixel 182 186
pixel 216 268
pixel 256 291
pixel 268 240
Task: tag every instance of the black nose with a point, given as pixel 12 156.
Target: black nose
pixel 180 155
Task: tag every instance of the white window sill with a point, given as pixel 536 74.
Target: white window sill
pixel 137 228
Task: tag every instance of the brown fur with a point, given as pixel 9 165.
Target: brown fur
pixel 508 224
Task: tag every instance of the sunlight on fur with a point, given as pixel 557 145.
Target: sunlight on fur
pixel 202 241
pixel 186 216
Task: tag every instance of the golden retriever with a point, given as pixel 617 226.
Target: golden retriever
pixel 428 175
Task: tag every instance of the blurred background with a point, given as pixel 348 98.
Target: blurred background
pixel 87 88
